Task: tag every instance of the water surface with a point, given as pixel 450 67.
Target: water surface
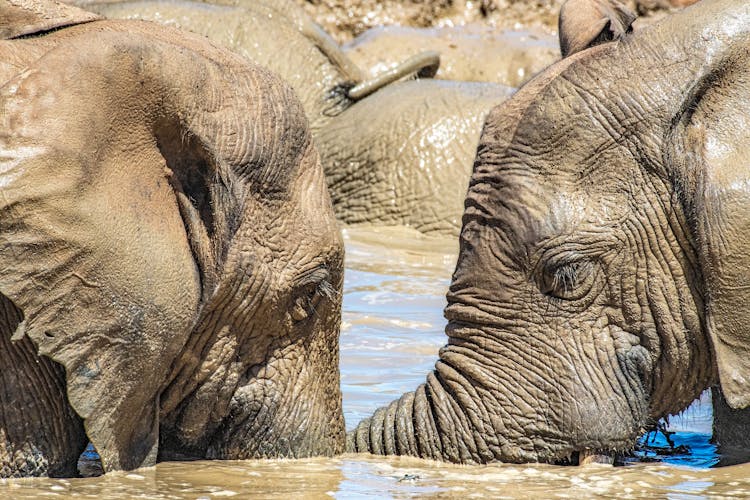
pixel 392 329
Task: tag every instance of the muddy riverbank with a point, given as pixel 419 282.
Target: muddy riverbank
pixel 345 19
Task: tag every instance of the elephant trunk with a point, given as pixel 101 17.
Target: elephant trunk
pixel 46 437
pixel 444 419
pixel 390 431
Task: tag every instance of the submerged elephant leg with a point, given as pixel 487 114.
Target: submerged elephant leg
pixel 39 432
pixel 731 430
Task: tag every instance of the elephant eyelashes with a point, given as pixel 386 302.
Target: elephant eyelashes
pixel 313 287
pixel 568 281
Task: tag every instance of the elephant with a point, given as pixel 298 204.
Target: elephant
pixel 325 79
pixel 420 181
pixel 348 19
pixel 467 53
pixel 584 23
pixel 396 153
pixel 170 264
pixel 403 156
pixel 601 282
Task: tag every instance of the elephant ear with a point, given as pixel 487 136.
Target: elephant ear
pixel 27 17
pixel 93 247
pixel 712 144
pixel 585 23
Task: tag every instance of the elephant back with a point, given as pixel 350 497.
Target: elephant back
pixel 417 172
pixel 27 17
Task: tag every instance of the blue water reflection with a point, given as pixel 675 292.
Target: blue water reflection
pixel 692 430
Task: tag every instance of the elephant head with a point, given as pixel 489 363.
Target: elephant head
pixel 167 238
pixel 585 23
pixel 601 282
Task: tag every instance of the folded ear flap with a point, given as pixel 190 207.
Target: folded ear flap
pixel 26 17
pixel 713 144
pixel 93 248
pixel 585 23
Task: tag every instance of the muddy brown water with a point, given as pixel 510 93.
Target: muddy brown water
pixel 392 328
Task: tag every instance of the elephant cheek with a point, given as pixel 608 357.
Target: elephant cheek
pixel 286 409
pixel 637 363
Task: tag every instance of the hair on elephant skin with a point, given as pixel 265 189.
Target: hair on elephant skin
pixel 171 266
pixel 601 282
pixel 412 141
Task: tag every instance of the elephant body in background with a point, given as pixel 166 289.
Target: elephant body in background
pixel 347 19
pixel 472 53
pixel 602 275
pixel 414 140
pixel 170 263
pixel 404 154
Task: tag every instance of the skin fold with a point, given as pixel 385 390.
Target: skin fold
pixel 172 267
pixel 601 278
pixel 413 140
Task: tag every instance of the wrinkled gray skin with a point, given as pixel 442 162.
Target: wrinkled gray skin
pixel 412 141
pixel 404 154
pixel 170 265
pixel 474 53
pixel 602 275
pixel 731 430
pixel 585 23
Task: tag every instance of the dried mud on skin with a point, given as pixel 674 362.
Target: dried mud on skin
pixel 345 19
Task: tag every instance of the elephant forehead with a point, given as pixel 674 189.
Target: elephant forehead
pixel 566 127
pixel 566 131
pixel 565 210
pixel 266 139
pixel 531 206
pixel 285 235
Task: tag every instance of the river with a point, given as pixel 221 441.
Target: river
pixel 392 328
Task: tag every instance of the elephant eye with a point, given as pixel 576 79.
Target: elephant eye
pixel 312 288
pixel 568 281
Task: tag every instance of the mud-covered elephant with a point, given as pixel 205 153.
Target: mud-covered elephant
pixel 278 35
pixel 403 156
pixel 397 153
pixel 602 277
pixel 170 264
pixel 474 53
